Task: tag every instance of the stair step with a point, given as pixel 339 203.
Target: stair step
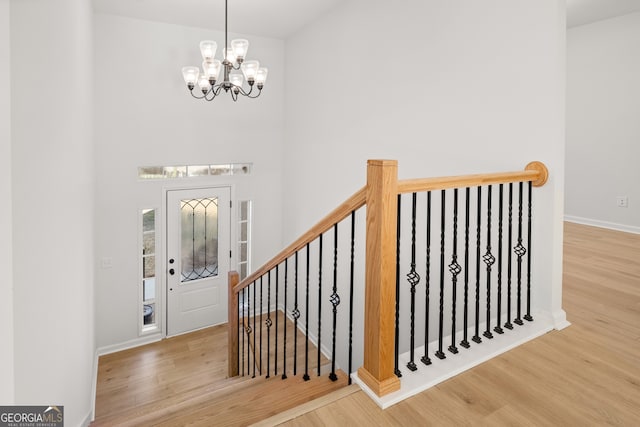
pixel 178 399
pixel 238 402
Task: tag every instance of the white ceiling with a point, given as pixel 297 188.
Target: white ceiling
pixel 282 18
pixel 580 12
pixel 268 18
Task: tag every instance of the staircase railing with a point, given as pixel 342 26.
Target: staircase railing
pixel 383 296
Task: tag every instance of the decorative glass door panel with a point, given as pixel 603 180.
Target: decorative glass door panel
pixel 198 258
pixel 199 238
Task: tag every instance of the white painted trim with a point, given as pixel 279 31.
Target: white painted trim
pixel 94 389
pixel 87 420
pixel 147 339
pixel 603 224
pixel 560 320
pixel 425 377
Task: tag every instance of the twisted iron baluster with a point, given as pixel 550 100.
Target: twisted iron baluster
pixel 508 324
pixel 489 260
pixel 306 343
pixel 498 328
pixel 425 359
pixel 396 369
pixel 268 323
pixel 335 301
pixel 440 354
pixel 454 269
pixel 520 251
pixel 296 315
pixel 351 273
pixel 465 343
pixel 413 278
pixel 528 316
pixel 248 329
pixel 319 302
pixel 284 323
pixel 476 338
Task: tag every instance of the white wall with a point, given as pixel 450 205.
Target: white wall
pixel 144 117
pixel 52 204
pixel 443 87
pixel 6 250
pixel 603 130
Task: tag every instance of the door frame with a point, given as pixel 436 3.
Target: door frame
pixel 164 312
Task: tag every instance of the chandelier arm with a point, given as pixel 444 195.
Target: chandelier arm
pixel 214 91
pixel 254 96
pixel 197 97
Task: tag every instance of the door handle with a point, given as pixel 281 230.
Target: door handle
pixel 172 271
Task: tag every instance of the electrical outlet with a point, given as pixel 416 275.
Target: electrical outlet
pixel 622 202
pixel 106 262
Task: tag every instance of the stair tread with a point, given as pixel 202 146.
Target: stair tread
pixel 239 401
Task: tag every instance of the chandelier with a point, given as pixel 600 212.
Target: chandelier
pixel 235 70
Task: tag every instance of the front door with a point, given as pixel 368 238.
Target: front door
pixel 198 257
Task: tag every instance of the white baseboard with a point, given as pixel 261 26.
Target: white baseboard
pixel 426 377
pixel 87 420
pixel 560 320
pixel 94 388
pixel 603 224
pixel 148 339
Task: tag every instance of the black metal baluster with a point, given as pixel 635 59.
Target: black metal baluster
pixel 465 343
pixel 396 369
pixel 240 332
pixel 425 358
pixel 440 354
pixel 243 331
pixel 455 269
pixel 248 329
pixel 489 260
pixel 520 251
pixel 335 301
pixel 528 316
pixel 351 273
pixel 508 324
pixel 296 315
pixel 275 353
pixel 413 278
pixel 319 303
pixel 498 328
pixel 284 323
pixel 268 323
pixel 261 311
pixel 306 343
pixel 253 285
pixel 476 338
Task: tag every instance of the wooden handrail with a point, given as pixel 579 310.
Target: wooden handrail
pixel 380 195
pixel 536 172
pixel 354 202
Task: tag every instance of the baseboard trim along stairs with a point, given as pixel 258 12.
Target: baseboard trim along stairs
pixel 426 377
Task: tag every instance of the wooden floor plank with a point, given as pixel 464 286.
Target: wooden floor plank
pixel 587 374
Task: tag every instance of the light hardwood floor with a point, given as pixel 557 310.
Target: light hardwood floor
pixel 585 375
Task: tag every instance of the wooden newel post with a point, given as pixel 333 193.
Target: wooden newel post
pixel 234 279
pixel 380 282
